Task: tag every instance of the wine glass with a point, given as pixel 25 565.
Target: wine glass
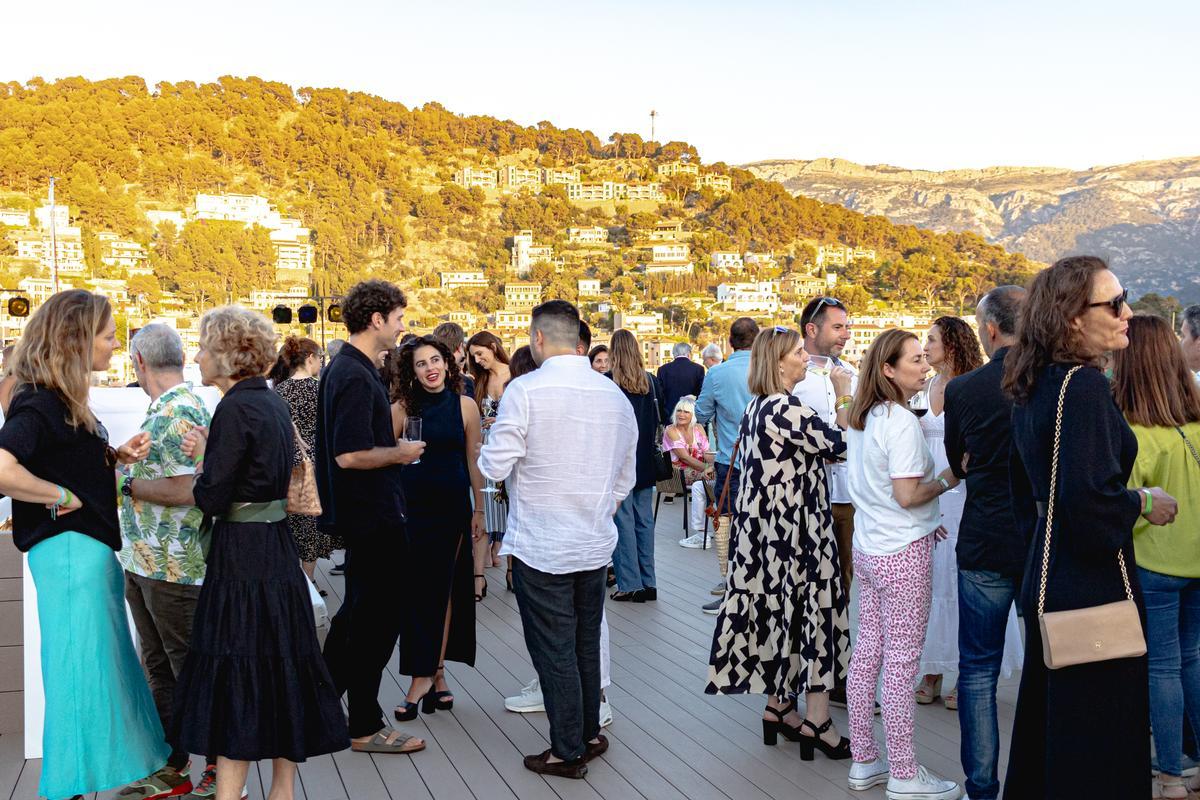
pixel 820 365
pixel 412 432
pixel 919 404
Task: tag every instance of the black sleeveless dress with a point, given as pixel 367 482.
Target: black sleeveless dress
pixel 440 567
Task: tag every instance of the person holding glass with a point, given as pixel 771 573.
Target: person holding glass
pixel 489 365
pixel 688 446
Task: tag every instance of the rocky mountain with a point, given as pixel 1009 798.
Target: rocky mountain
pixel 1144 217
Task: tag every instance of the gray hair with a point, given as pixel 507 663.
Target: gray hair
pixel 712 351
pixel 681 350
pixel 159 346
pixel 1002 307
pixel 333 348
pixel 1191 318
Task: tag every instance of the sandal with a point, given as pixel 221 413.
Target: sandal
pixel 928 691
pixel 442 701
pixel 508 584
pixel 951 699
pixel 389 740
pixel 773 727
pixel 479 595
pixel 1170 787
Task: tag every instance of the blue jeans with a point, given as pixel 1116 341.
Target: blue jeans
pixel 561 615
pixel 633 560
pixel 1173 645
pixel 984 599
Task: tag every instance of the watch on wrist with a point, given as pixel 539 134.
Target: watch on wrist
pixel 127 487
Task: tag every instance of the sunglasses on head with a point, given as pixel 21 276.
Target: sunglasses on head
pixel 821 303
pixel 1115 305
pixel 778 329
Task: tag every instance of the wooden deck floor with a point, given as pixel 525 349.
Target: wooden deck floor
pixel 669 740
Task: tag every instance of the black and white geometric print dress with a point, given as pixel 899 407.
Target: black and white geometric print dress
pixel 783 625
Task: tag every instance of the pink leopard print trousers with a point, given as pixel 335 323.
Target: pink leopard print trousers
pixel 893 612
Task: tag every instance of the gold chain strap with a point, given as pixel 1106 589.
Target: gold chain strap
pixel 1062 396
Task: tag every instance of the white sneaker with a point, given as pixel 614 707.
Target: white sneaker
pixel 605 713
pixel 529 700
pixel 696 542
pixel 868 775
pixel 923 786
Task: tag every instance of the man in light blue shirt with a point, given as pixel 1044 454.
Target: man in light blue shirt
pixel 723 400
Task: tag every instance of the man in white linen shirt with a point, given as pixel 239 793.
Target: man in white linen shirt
pixel 564 444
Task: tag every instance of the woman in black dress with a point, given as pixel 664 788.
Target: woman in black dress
pixel 439 618
pixel 254 685
pixel 294 377
pixel 1070 720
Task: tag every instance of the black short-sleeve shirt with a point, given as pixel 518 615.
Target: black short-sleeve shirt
pixel 38 435
pixel 353 414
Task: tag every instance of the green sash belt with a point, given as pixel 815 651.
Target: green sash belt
pixel 270 511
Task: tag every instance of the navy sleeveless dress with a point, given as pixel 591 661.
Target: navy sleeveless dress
pixel 440 568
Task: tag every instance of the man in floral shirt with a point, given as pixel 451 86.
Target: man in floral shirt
pixel 160 533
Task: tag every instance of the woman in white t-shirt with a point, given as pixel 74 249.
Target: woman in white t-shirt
pixel 894 491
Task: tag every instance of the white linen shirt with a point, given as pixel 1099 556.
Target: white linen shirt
pixel 816 392
pixel 564 442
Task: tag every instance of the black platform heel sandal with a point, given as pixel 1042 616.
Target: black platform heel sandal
pixel 409 712
pixel 773 727
pixel 441 701
pixel 838 752
pixel 483 592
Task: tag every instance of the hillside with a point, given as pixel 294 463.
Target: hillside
pixel 1145 216
pixel 371 186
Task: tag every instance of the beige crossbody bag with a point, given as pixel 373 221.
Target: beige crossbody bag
pixel 1096 633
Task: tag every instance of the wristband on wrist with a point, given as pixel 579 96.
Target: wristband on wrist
pixel 62 496
pixel 199 460
pixel 70 497
pixel 1149 504
pixel 945 484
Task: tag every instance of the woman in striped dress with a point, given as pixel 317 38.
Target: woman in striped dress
pixel 489 367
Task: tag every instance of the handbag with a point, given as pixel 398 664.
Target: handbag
pixel 1095 633
pixel 721 522
pixel 664 467
pixel 302 496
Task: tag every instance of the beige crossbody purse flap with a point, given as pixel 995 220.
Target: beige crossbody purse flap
pixel 1096 633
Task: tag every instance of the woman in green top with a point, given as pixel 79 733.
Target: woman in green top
pixel 1158 397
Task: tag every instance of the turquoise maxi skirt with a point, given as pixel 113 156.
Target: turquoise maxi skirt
pixel 101 730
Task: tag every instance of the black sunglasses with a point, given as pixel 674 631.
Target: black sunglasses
pixel 1115 304
pixel 821 303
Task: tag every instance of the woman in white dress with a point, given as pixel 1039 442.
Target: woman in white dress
pixel 951 349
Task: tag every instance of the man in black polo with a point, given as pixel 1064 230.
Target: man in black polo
pixel 358 475
pixel 991 549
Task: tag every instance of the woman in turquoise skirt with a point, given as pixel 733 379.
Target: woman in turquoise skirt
pixel 101 727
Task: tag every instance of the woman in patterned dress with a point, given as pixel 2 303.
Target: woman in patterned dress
pixel 783 628
pixel 295 379
pixel 489 366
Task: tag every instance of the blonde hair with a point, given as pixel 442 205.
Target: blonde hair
pixel 55 351
pixel 768 350
pixel 874 387
pixel 628 369
pixel 241 342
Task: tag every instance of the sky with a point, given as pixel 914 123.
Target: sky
pixel 942 84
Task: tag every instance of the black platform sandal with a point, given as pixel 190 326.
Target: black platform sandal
pixel 408 711
pixel 442 701
pixel 837 752
pixel 773 727
pixel 481 594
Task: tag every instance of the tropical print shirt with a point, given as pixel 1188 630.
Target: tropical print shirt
pixel 163 542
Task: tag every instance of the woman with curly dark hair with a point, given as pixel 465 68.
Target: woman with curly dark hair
pixel 438 618
pixel 951 349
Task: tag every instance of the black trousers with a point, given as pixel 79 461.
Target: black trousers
pixel 363 633
pixel 561 617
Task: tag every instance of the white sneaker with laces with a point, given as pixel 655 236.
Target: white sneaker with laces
pixel 529 700
pixel 868 775
pixel 923 786
pixel 605 713
pixel 695 542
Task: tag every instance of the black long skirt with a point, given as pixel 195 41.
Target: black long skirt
pixel 254 685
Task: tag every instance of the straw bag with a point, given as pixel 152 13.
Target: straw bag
pixel 721 522
pixel 1084 635
pixel 302 497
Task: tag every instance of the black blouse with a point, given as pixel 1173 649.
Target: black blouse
pixel 248 458
pixel 38 435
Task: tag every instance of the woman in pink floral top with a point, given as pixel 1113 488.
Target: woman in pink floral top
pixel 688 445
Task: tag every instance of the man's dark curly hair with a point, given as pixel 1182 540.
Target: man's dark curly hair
pixel 368 298
pixel 401 378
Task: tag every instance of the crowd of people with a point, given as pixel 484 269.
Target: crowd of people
pixel 950 493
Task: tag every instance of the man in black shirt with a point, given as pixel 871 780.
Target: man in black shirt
pixel 679 377
pixel 991 548
pixel 358 475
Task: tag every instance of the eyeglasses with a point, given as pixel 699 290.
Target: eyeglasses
pixel 821 303
pixel 1115 304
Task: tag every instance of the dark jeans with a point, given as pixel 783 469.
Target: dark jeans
pixel 1173 645
pixel 984 600
pixel 162 614
pixel 633 558
pixel 561 617
pixel 720 471
pixel 363 633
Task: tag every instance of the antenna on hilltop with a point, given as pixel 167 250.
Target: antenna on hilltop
pixel 653 114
